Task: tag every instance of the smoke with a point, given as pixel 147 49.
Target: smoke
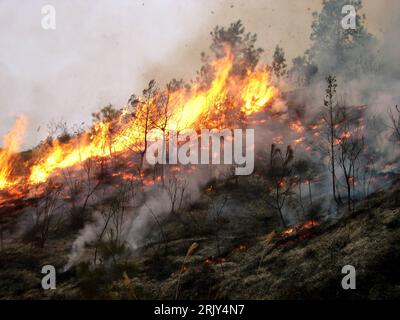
pixel 376 89
pixel 119 49
pixel 146 210
pixel 370 78
pixel 101 54
pixel 87 235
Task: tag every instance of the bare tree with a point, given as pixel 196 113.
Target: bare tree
pixel 91 183
pixel 306 172
pixel 394 116
pixel 367 174
pixel 176 187
pixel 164 114
pixel 73 191
pixel 84 185
pixel 43 214
pixel 332 117
pixel 163 238
pixel 106 124
pixel 350 146
pixel 145 113
pixel 58 130
pixel 107 118
pixel 280 175
pixel 216 210
pixel 301 168
pixel 110 238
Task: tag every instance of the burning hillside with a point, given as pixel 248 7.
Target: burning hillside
pixel 230 185
pixel 227 98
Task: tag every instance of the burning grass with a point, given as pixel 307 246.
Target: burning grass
pixel 308 225
pixel 11 144
pixel 226 96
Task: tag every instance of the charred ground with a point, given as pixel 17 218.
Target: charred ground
pixel 239 254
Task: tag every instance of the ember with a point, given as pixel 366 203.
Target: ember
pixel 305 226
pixel 297 126
pixel 299 140
pixel 214 260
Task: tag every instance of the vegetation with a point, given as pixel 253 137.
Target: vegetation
pixel 119 228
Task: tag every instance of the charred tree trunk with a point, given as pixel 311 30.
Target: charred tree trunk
pixel 301 199
pixel 309 192
pixel 331 122
pixel 348 186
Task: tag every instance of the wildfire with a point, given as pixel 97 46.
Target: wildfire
pixel 297 126
pixel 282 183
pixel 189 107
pixel 257 92
pixel 346 135
pixel 299 140
pixel 11 145
pixel 277 140
pixel 305 226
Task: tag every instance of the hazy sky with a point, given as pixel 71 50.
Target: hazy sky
pixel 102 51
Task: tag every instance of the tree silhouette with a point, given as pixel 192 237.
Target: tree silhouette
pixel 280 174
pixel 279 63
pixel 334 46
pixel 241 44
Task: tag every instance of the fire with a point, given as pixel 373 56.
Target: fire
pixel 11 144
pixel 214 260
pixel 188 112
pixel 299 140
pixel 288 232
pixel 277 140
pixel 189 107
pixel 282 183
pixel 346 135
pixel 297 126
pixel 305 226
pixel 78 150
pixel 257 92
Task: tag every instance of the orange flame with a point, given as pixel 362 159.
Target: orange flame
pixel 250 93
pixel 297 126
pixel 11 144
pixel 299 140
pixel 305 226
pixel 257 92
pixel 346 135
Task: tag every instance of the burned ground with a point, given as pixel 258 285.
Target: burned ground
pixel 240 255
